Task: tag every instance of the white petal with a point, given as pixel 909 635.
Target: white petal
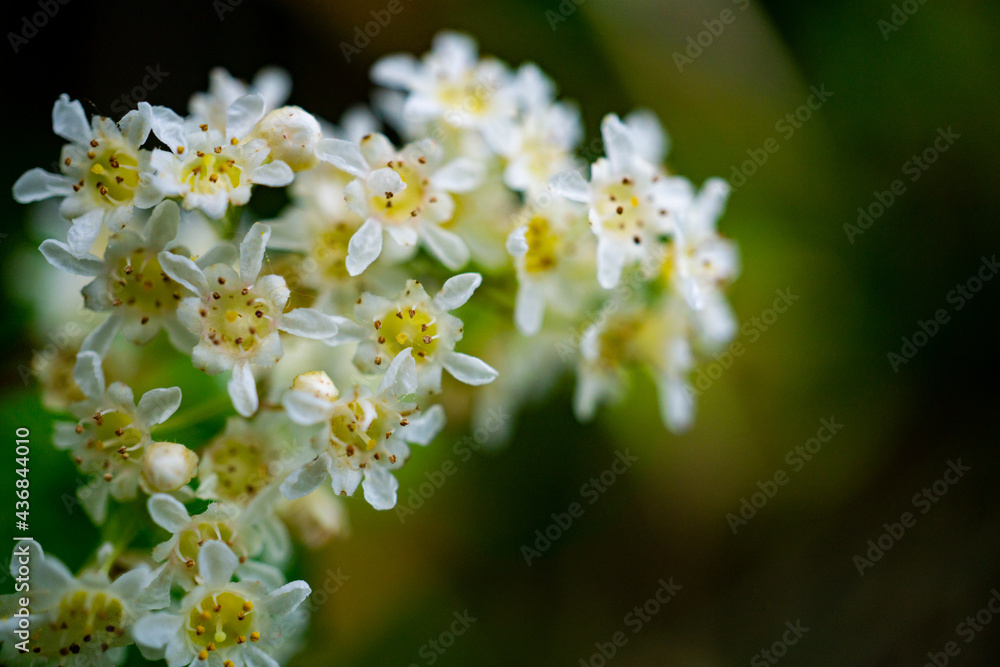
pixel 457 290
pixel 400 378
pixel 88 374
pixel 376 148
pixel 344 155
pixel 156 630
pixel 517 242
pixel 447 246
pixel 307 479
pixel 571 185
pixel 167 512
pixel 255 657
pixel 168 127
pixel 243 389
pixel 286 599
pixel 529 309
pixel 650 139
pixel 269 575
pixel 459 175
pixel 384 180
pixel 156 405
pixel 83 232
pixel 617 143
pixel 99 340
pixel 184 271
pixel 136 124
pixel 395 71
pixel 424 428
pixel 308 323
pixel 676 403
pixel 36 184
pixel 60 256
pixel 47 572
pixel 274 84
pixel 380 487
pixel 252 251
pixel 217 563
pixel 468 369
pixel 404 236
pixel 69 121
pixel 223 253
pixel 274 174
pixel 242 115
pixel 205 358
pixel 364 247
pixel 305 408
pixel 610 263
pixel 162 226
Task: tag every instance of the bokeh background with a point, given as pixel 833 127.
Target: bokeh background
pixel 826 357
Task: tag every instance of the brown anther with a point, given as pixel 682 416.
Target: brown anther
pixel 399 314
pixel 218 149
pixel 378 361
pixel 259 313
pixel 144 320
pixel 422 160
pixel 381 340
pixel 216 296
pixel 412 313
pixel 378 324
pixel 204 127
pixel 94 143
pixel 619 210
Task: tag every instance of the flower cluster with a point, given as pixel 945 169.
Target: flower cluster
pixel 338 323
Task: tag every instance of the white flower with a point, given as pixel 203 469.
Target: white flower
pixel 237 316
pixel 273 84
pixel 75 621
pixel 627 336
pixel 222 623
pixel 404 193
pixel 248 458
pixel 451 84
pixel 104 170
pixel 251 532
pixel 210 168
pixel 631 202
pixel 539 143
pixel 130 282
pixel 113 434
pixel 551 249
pixel 413 320
pixel 364 433
pixel 292 134
pixel 703 262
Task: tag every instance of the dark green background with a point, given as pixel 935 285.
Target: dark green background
pixel 826 357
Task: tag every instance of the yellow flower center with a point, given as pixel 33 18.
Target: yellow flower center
pixel 240 468
pixel 409 328
pixel 139 285
pixel 621 211
pixel 111 442
pixel 221 620
pixel 112 173
pixel 189 544
pixel 397 208
pixel 237 320
pixel 543 245
pixel 210 172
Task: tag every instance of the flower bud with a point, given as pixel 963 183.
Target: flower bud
pixel 316 383
pixel 167 466
pixel 292 135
